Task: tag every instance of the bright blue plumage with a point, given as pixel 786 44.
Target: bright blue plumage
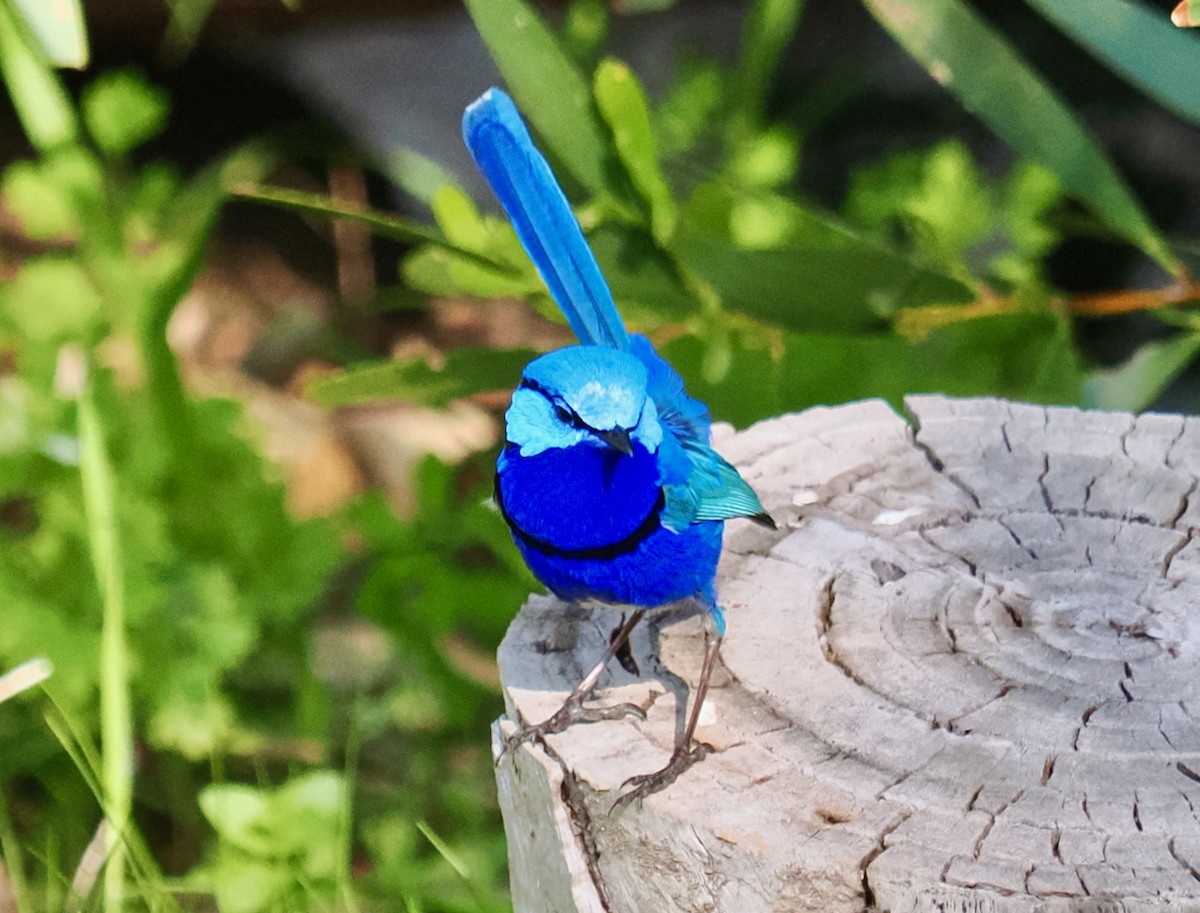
pixel 607 479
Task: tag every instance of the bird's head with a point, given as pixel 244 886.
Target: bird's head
pixel 583 394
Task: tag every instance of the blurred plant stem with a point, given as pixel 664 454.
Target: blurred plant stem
pixel 116 723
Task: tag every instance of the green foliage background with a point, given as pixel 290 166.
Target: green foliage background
pixel 147 553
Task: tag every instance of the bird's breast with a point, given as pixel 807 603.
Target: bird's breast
pixel 581 498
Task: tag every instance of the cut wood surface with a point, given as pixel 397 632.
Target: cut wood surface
pixel 962 676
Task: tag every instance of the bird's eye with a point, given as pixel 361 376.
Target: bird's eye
pixel 563 414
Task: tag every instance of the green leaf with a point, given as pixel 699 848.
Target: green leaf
pixel 768 29
pixel 845 287
pixel 938 196
pixel 1137 42
pixel 37 194
pixel 643 279
pixel 490 240
pixel 436 271
pixel 1019 356
pixel 52 299
pixel 238 814
pixel 765 159
pixel 406 231
pixel 466 371
pixel 550 91
pixel 1186 14
pixel 1136 384
pixel 967 57
pixel 646 6
pixel 622 103
pixel 59 29
pixel 415 174
pixel 38 95
pixel 122 111
pixel 584 29
pixel 743 391
pixel 690 107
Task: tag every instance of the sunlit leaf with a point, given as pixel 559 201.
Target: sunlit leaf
pixel 972 61
pixel 550 91
pixel 36 92
pixel 466 371
pixel 59 29
pixel 52 299
pixel 622 103
pixel 436 271
pixel 122 110
pixel 1186 14
pixel 1137 42
pixel 415 174
pixel 938 197
pixel 1138 382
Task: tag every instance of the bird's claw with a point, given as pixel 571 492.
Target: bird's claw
pixel 570 713
pixel 647 784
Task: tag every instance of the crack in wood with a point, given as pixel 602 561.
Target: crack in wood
pixel 575 801
pixel 1164 569
pixel 936 463
pixel 1187 771
pixel 1187 865
pixel 1048 768
pixel 1041 482
pixel 874 853
pixel 1017 539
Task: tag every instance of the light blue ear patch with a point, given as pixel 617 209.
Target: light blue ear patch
pixel 533 426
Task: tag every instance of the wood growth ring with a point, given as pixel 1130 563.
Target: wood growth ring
pixel 962 676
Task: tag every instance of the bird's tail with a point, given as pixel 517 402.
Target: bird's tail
pixel 521 178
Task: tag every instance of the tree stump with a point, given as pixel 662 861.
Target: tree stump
pixel 962 676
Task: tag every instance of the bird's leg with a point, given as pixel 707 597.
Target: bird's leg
pixel 572 711
pixel 685 754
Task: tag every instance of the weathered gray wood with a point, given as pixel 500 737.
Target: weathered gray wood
pixel 962 676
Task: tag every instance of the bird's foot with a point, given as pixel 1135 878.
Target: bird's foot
pixel 571 712
pixel 647 784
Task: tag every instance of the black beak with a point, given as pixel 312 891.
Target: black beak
pixel 617 439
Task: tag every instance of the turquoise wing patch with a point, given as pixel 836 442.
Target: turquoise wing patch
pixel 714 491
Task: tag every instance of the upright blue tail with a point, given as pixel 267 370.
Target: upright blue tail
pixel 522 179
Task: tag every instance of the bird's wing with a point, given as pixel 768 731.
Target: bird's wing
pixel 522 180
pixel 714 491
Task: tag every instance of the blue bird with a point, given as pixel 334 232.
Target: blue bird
pixel 606 479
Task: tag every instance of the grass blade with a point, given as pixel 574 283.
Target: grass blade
pixel 25 676
pixel 977 65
